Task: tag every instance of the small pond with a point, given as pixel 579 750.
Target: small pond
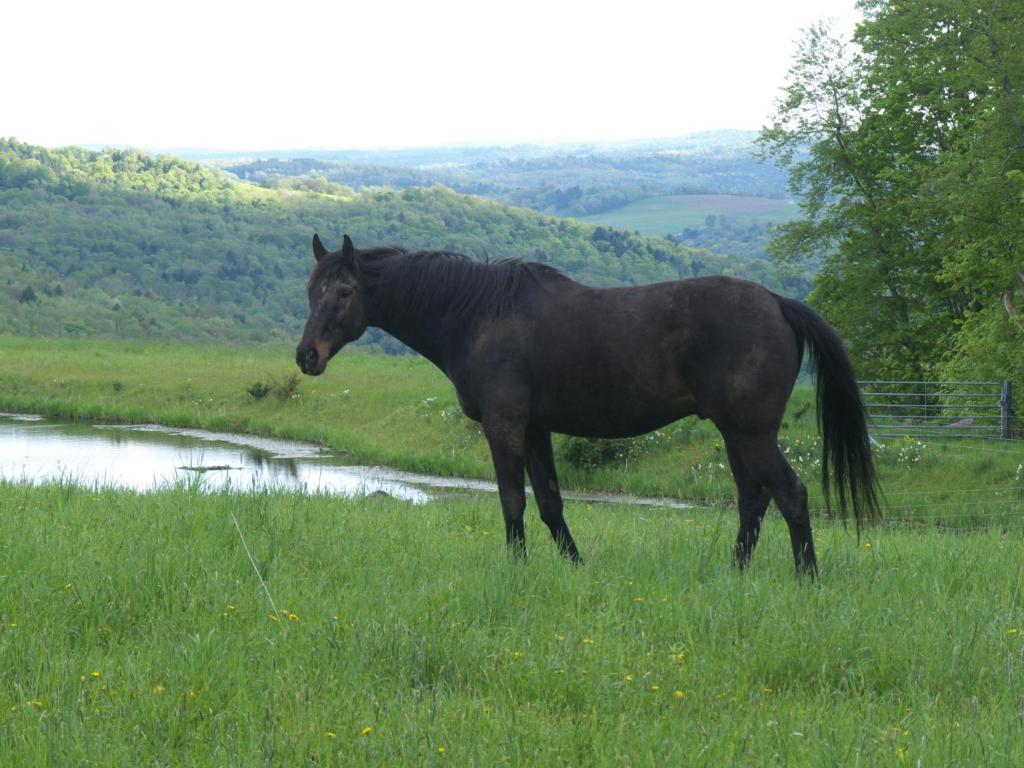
pixel 149 456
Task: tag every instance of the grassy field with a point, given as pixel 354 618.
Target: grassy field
pixel 134 631
pixel 402 412
pixel 669 214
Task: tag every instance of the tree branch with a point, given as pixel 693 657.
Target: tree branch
pixel 1010 306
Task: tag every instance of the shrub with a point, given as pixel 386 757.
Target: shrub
pixel 589 453
pixel 258 390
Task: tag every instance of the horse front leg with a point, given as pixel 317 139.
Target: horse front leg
pixel 507 440
pixel 540 464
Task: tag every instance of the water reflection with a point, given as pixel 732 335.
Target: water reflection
pixel 144 457
pixel 147 456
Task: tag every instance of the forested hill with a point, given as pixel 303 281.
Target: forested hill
pixel 566 180
pixel 123 244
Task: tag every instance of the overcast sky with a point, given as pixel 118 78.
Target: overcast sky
pixel 377 73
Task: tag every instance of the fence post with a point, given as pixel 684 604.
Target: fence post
pixel 1006 411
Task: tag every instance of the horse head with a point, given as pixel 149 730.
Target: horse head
pixel 337 306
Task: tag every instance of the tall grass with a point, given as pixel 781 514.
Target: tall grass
pixel 134 631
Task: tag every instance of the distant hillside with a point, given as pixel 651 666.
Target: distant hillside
pixel 566 180
pixel 733 225
pixel 122 244
pixel 686 188
pixel 671 214
pixel 706 142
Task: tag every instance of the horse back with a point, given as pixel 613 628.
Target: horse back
pixel 624 361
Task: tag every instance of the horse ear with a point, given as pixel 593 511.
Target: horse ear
pixel 348 251
pixel 318 248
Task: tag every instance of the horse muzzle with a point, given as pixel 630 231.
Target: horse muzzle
pixel 310 361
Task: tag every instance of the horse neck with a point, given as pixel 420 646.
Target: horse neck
pixel 418 324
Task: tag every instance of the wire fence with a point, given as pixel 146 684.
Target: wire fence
pixel 979 409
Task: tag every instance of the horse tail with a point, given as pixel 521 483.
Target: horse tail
pixel 842 419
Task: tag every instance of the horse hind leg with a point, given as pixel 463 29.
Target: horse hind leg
pixel 752 503
pixel 765 463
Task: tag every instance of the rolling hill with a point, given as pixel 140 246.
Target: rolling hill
pixel 123 244
pixel 564 180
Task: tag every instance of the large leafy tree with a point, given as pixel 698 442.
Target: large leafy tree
pixel 906 145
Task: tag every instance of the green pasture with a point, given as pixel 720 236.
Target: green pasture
pixel 134 630
pixel 669 214
pixel 402 412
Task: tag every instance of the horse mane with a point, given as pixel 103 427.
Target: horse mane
pixel 456 288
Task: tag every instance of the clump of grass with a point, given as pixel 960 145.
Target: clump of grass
pixel 289 388
pixel 259 390
pixel 286 389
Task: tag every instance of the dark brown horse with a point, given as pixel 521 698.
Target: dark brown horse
pixel 531 352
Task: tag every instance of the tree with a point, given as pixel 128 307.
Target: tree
pixel 907 147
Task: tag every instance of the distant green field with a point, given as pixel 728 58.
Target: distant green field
pixel 669 214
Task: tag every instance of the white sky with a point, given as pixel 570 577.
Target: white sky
pixel 384 73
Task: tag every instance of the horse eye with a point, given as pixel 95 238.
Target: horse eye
pixel 345 290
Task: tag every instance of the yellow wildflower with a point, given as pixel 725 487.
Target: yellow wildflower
pixel 680 694
pixel 367 731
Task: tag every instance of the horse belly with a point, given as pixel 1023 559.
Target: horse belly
pixel 612 411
